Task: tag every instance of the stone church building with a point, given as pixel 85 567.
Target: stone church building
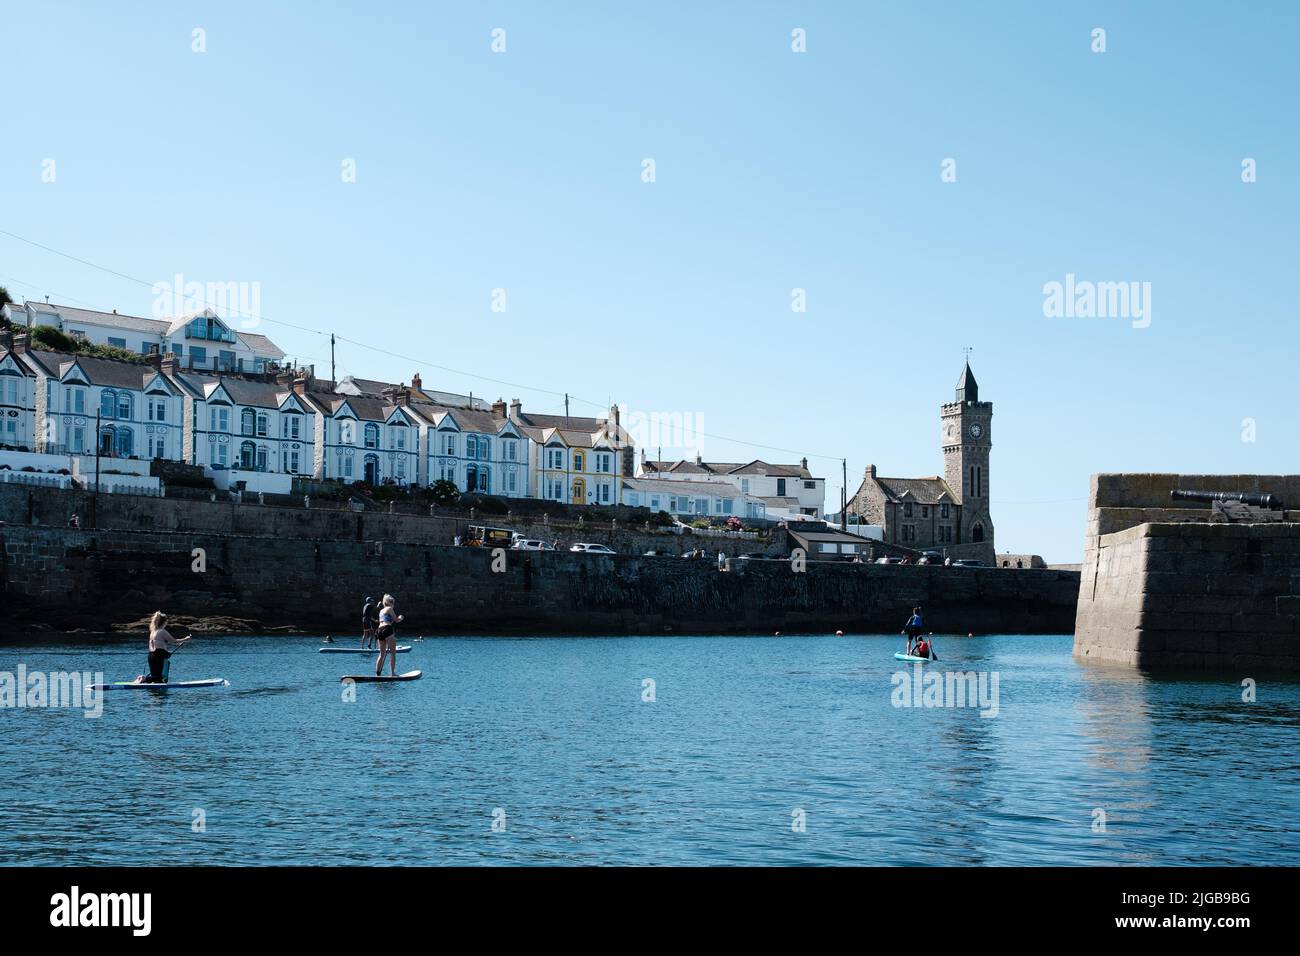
pixel 949 513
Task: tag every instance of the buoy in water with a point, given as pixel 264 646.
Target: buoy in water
pixel 839 633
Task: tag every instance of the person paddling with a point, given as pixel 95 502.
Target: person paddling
pixel 922 648
pixel 387 634
pixel 161 647
pixel 369 621
pixel 913 629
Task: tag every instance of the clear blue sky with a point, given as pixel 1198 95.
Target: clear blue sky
pixel 774 171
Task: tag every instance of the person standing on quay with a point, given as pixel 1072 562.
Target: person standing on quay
pixel 387 634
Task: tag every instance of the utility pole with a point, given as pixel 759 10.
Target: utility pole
pixel 566 404
pixel 332 379
pixel 94 498
pixel 844 494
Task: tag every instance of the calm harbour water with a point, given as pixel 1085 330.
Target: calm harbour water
pixel 554 732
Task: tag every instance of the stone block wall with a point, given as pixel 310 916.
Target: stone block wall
pixel 1162 587
pixel 92 580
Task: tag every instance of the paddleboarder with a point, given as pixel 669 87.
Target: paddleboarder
pixel 913 629
pixel 161 647
pixel 387 634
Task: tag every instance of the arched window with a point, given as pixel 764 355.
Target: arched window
pixel 108 403
pixel 124 442
pixel 372 435
pixel 977 533
pixel 247 455
pixel 471 448
pixel 124 405
pixel 484 448
pixel 246 419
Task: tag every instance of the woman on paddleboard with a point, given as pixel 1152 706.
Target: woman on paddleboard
pixel 387 635
pixel 161 646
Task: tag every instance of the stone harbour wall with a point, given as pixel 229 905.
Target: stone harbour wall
pixel 95 579
pixel 1164 588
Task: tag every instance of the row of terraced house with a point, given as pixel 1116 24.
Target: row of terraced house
pixel 213 396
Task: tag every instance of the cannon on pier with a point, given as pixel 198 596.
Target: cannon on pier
pixel 1245 506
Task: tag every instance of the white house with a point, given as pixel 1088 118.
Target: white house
pixel 785 490
pixel 478 451
pixel 202 340
pixel 17 402
pixel 137 407
pixel 691 498
pixel 367 439
pixel 248 426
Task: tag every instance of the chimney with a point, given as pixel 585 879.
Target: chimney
pixel 803 463
pixel 300 384
pixel 168 364
pixel 499 408
pixel 699 459
pixel 21 342
pixel 415 382
pixel 870 473
pixel 516 408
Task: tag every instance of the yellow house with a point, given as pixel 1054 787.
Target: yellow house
pixel 576 460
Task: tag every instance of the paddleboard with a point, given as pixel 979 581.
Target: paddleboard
pixel 372 679
pixel 401 648
pixel 174 685
pixel 900 656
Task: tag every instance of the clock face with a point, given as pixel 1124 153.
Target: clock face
pixel 950 432
pixel 976 430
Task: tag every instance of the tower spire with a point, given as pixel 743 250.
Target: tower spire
pixel 968 390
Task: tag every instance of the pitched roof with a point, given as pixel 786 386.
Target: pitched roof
pixel 722 468
pixel 926 491
pixel 968 390
pixel 257 342
pixel 95 317
pixel 242 391
pixel 99 371
pixel 469 419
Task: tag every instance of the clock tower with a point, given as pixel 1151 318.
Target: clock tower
pixel 966 436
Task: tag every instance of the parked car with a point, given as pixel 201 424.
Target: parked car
pixel 968 563
pixel 530 544
pixel 931 557
pixel 889 560
pixel 587 548
pixel 657 553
